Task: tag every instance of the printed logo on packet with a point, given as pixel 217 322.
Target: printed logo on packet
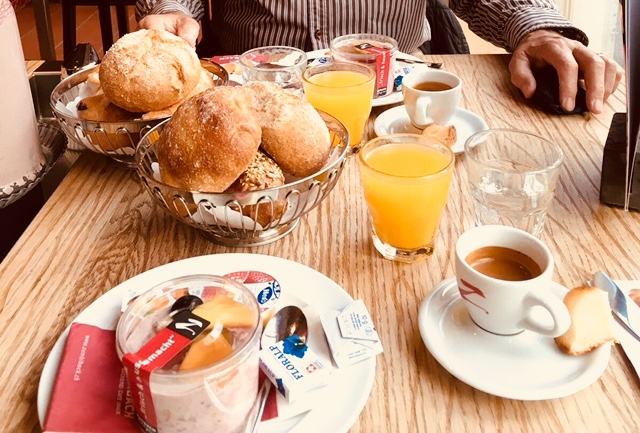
pixel 265 288
pixel 383 64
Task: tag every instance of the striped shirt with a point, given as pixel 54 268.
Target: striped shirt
pixel 312 24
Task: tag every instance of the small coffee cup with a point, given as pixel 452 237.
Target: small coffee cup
pixel 430 96
pixel 504 277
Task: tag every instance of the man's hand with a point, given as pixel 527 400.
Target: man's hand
pixel 572 60
pixel 177 23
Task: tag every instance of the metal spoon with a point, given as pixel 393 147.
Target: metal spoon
pixel 288 321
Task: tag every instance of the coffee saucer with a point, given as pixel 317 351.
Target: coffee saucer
pixel 527 366
pixel 396 120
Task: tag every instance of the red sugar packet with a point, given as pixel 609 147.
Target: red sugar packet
pixel 90 394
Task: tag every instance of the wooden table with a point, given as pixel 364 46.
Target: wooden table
pixel 100 228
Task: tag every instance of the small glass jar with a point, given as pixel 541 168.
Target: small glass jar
pixel 376 51
pixel 214 397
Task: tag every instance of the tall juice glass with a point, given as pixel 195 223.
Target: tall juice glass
pixel 405 178
pixel 344 90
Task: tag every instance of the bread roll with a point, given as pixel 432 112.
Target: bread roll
pixel 98 108
pixel 591 321
pixel 209 141
pixel 293 133
pixel 261 174
pixel 149 70
pixel 206 82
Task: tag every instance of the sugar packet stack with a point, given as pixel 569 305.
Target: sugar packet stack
pixel 351 334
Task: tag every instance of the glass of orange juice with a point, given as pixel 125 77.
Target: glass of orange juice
pixel 405 178
pixel 344 90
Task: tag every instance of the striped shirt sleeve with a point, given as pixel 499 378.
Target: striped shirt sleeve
pixel 192 8
pixel 506 22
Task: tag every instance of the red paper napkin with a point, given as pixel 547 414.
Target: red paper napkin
pixel 90 394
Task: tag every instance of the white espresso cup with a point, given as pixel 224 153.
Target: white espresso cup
pixel 504 277
pixel 430 96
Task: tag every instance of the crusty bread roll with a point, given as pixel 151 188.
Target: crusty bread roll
pixel 209 141
pixel 149 70
pixel 446 135
pixel 206 82
pixel 293 133
pixel 261 174
pixel 98 108
pixel 591 321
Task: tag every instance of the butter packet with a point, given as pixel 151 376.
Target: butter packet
pixel 351 334
pixel 293 367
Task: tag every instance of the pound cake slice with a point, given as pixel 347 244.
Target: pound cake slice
pixel 591 321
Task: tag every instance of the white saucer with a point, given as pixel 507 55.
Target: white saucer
pixel 396 120
pixel 526 366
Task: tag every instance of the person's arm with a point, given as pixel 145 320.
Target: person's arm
pixel 506 22
pixel 179 17
pixel 192 8
pixel 538 35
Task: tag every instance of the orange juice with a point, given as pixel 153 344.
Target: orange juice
pixel 343 90
pixel 406 185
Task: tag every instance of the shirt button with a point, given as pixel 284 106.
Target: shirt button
pixel 318 34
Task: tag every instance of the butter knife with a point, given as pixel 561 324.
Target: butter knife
pixel 624 309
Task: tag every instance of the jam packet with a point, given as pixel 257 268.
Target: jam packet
pixel 351 335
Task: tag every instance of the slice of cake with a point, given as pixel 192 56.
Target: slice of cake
pixel 591 321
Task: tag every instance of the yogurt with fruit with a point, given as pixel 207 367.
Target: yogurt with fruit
pixel 203 379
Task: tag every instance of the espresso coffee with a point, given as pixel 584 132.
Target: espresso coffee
pixel 503 264
pixel 432 86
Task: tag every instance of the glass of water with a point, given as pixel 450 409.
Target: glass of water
pixel 512 176
pixel 279 64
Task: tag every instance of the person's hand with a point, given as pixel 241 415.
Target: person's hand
pixel 175 22
pixel 572 60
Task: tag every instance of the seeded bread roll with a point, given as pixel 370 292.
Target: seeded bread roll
pixel 293 133
pixel 149 70
pixel 591 321
pixel 261 174
pixel 209 141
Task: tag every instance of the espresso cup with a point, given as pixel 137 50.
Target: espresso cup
pixel 504 277
pixel 430 96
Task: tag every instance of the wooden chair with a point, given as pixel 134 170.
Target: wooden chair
pixel 104 14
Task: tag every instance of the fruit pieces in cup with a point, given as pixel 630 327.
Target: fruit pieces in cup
pixel 345 91
pixel 213 380
pixel 405 179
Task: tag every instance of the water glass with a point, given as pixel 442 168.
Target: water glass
pixel 279 64
pixel 405 179
pixel 512 177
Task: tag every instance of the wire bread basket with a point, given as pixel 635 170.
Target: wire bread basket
pixel 117 140
pixel 242 219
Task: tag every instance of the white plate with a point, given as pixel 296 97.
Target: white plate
pixel 350 387
pixel 396 120
pixel 402 68
pixel 526 366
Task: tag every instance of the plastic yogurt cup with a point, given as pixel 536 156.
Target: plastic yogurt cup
pixel 376 51
pixel 203 396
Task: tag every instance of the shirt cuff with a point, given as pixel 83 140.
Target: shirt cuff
pixel 166 6
pixel 528 20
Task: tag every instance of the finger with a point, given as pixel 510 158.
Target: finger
pixel 188 29
pixel 568 70
pixel 593 68
pixel 521 74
